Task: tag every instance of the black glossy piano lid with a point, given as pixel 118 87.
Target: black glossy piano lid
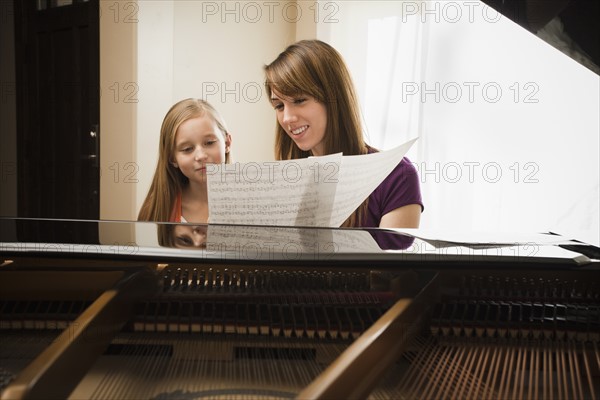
pixel 128 240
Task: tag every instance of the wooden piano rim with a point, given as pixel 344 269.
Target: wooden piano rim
pixel 71 355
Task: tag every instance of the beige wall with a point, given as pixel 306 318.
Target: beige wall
pixel 180 49
pixel 118 110
pixel 176 50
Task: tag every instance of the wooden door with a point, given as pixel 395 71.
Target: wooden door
pixel 58 109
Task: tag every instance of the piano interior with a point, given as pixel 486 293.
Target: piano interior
pixel 398 328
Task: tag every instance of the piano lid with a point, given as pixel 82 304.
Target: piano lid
pixel 223 243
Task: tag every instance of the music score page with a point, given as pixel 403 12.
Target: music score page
pixel 315 191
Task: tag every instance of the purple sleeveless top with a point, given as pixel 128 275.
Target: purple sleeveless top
pixel 400 188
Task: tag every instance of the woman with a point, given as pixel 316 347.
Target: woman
pixel 317 113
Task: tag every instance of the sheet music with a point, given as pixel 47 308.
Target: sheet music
pixel 315 191
pixel 360 176
pixel 264 242
pixel 441 238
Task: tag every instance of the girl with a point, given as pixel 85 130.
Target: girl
pixel 182 236
pixel 317 113
pixel 192 135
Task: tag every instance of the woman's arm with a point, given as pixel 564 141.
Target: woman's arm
pixel 407 216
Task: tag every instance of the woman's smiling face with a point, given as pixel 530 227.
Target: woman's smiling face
pixel 304 119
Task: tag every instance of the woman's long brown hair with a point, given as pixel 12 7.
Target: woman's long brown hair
pixel 314 68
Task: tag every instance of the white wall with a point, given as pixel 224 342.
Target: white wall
pixel 171 50
pixel 186 50
pixel 215 51
pixel 541 133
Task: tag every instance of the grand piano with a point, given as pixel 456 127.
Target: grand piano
pixel 255 312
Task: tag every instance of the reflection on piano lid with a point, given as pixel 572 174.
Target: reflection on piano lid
pixel 120 239
pixel 278 313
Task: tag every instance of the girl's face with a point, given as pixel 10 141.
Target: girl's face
pixel 190 236
pixel 304 119
pixel 199 141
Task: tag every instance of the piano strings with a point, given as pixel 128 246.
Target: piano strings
pixel 241 332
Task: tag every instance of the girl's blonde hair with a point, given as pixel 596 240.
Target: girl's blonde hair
pixel 168 180
pixel 314 68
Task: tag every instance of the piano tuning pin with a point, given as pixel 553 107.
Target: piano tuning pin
pixel 555 292
pixel 541 288
pixel 335 281
pixel 591 292
pixel 278 280
pixel 316 280
pixel 294 280
pixel 462 286
pixel 498 287
pixel 252 279
pixel 470 285
pixel 344 281
pixel 573 290
pixel 167 280
pixel 202 279
pixel 218 280
pixel 195 278
pixel 261 279
pixel 177 278
pixel 564 289
pixel 312 280
pixel 234 280
pixel 268 282
pixel 242 280
pixel 305 280
pixel 511 286
pixel 354 281
pixel 505 291
pixel 185 279
pixel 258 280
pixel 360 282
pixel 209 279
pixel 532 289
pixel 290 282
pixel 226 279
pixel 523 288
pixel 283 281
pixel 302 282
